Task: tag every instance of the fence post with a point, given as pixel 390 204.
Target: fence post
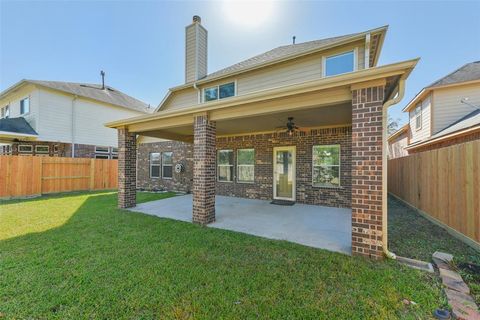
pixel 92 174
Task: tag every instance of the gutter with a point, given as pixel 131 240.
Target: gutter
pixel 396 99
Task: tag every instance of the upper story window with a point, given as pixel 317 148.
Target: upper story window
pixel 340 63
pixel 25 106
pixel 5 112
pixel 219 92
pixel 418 117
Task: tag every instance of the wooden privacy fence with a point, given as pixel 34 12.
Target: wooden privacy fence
pixel 23 176
pixel 443 184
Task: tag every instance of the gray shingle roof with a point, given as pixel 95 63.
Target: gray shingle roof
pixel 94 91
pixel 468 72
pixel 280 53
pixel 16 125
pixel 470 120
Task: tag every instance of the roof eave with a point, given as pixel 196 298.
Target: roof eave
pixel 401 68
pixel 452 135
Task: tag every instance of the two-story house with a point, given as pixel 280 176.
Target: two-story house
pixel 303 122
pixel 63 119
pixel 446 112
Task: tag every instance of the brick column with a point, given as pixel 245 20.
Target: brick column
pixel 204 155
pixel 127 171
pixel 367 195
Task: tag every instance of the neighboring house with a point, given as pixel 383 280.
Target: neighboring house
pixel 300 123
pixel 446 112
pixel 63 119
pixel 397 143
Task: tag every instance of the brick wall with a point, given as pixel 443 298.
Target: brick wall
pixel 263 144
pixel 182 153
pixel 367 195
pixel 127 173
pixel 204 159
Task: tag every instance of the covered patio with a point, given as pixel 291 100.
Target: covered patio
pixel 347 110
pixel 310 225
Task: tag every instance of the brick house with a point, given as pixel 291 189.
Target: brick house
pixel 63 119
pixel 301 123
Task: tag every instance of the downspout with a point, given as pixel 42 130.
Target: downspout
pixel 73 125
pixel 198 92
pixel 397 98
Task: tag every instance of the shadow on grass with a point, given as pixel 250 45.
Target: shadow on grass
pixel 109 263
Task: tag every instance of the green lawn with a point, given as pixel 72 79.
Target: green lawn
pixel 411 235
pixel 78 257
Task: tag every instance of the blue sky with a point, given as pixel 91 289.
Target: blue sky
pixel 140 44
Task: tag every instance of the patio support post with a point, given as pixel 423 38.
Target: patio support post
pixel 127 170
pixel 204 154
pixel 367 195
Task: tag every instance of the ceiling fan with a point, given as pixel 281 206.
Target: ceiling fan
pixel 290 128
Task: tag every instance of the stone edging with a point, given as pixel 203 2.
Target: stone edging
pixel 456 290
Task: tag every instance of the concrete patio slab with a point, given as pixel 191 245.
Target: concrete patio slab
pixel 314 226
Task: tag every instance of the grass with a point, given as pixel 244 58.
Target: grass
pixel 78 257
pixel 411 235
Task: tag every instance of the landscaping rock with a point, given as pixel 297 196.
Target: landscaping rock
pixel 454 281
pixel 442 259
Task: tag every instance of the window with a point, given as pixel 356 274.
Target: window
pixel 101 149
pixel 326 166
pixel 340 63
pixel 418 117
pixel 102 156
pixel 5 112
pixel 42 149
pixel 245 165
pixel 25 148
pixel 219 92
pixel 25 106
pixel 55 148
pixel 114 150
pixel 154 165
pixel 225 165
pixel 167 165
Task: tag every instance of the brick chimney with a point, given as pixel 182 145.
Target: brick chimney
pixel 196 40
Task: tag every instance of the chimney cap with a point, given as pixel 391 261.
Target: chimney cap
pixel 197 19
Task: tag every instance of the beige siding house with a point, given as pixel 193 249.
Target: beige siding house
pixel 398 142
pixel 302 123
pixel 446 112
pixel 63 119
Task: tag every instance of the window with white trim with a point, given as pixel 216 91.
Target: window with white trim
pixel 219 92
pixel 102 156
pixel 339 63
pixel 5 112
pixel 25 148
pixel 245 165
pixel 418 116
pixel 155 165
pixel 326 165
pixel 25 106
pixel 167 165
pixel 101 149
pixel 42 149
pixel 225 165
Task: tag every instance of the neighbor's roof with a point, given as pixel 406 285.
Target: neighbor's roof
pixel 398 132
pixel 16 125
pixel 468 122
pixel 466 73
pixel 93 91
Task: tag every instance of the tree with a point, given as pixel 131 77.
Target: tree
pixel 392 125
